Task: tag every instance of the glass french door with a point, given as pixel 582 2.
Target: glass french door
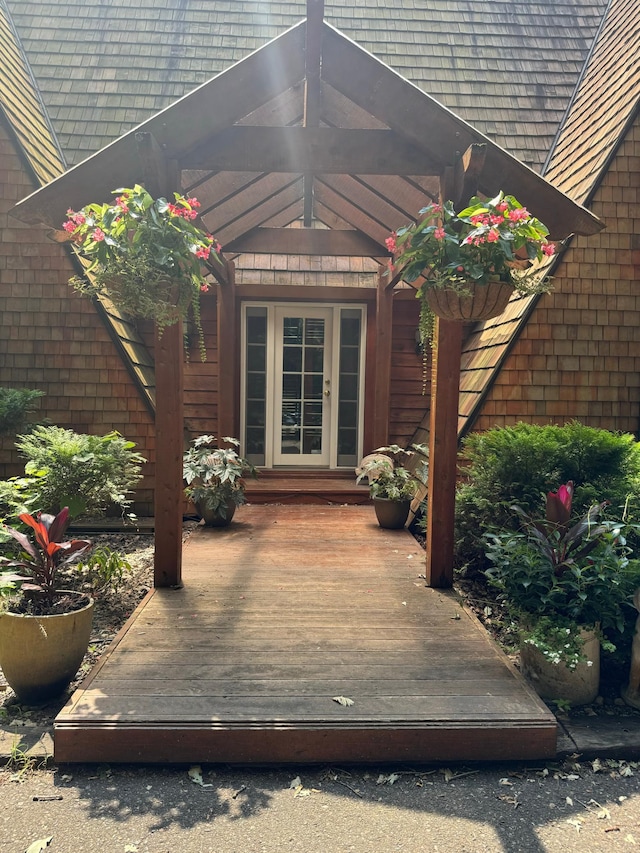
pixel 303 368
pixel 303 344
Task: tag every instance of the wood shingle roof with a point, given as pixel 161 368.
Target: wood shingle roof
pixel 507 68
pixel 21 104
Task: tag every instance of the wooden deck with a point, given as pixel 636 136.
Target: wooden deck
pixel 288 608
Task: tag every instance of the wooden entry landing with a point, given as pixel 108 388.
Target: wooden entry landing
pixel 288 608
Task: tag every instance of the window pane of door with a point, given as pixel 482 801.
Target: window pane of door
pixel 302 377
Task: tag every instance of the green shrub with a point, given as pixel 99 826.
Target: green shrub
pixel 103 570
pixel 87 473
pixel 16 405
pixel 520 464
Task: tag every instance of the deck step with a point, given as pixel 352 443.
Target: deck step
pixel 306 488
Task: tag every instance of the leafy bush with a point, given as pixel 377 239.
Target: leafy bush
pixel 16 404
pixel 84 472
pixel 520 464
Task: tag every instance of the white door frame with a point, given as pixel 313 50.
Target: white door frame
pixel 331 383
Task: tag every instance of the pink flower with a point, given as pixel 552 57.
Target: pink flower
pixel 121 201
pixel 436 208
pixel 548 249
pixel 518 214
pixel 559 504
pixel 69 226
pixel 493 236
pixel 193 202
pixel 479 219
pixel 390 243
pixel 496 220
pixel 204 288
pixel 439 233
pixel 98 235
pixel 203 252
pixel 503 206
pixel 173 208
pixel 460 269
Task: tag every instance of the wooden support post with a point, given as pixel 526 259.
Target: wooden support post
pixel 457 184
pixel 312 89
pixel 443 452
pixel 169 359
pixel 228 351
pixel 384 333
pixel 160 177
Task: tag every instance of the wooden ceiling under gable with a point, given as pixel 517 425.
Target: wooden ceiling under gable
pixel 309 127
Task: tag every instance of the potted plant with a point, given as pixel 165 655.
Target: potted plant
pixel 215 478
pixel 471 262
pixel 44 630
pixel 563 582
pixel 392 487
pixel 145 255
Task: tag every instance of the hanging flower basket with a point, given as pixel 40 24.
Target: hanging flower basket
pixel 145 255
pixel 482 302
pixel 470 262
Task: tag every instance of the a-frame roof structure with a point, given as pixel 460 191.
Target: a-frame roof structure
pixel 309 126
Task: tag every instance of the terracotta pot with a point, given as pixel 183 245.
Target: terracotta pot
pixel 556 681
pixel 212 518
pixel 392 515
pixel 484 301
pixel 40 655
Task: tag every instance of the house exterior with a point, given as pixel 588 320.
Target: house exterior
pixel 76 78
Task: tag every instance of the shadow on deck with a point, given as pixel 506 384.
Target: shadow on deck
pixel 286 609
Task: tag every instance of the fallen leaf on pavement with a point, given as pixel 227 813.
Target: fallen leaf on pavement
pixel 195 774
pixel 40 845
pixel 343 700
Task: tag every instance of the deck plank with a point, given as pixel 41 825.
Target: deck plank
pixel 281 612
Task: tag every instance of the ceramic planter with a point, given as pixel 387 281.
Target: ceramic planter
pixel 40 655
pixel 392 515
pixel 483 302
pixel 553 681
pixel 212 518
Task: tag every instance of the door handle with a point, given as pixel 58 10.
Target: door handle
pixel 326 392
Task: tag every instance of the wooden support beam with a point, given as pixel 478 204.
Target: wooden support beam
pixel 167 563
pixel 160 177
pixel 228 363
pixel 384 334
pixel 467 171
pixel 307 241
pixel 443 452
pixel 316 150
pixel 220 271
pixel 312 88
pixel 445 390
